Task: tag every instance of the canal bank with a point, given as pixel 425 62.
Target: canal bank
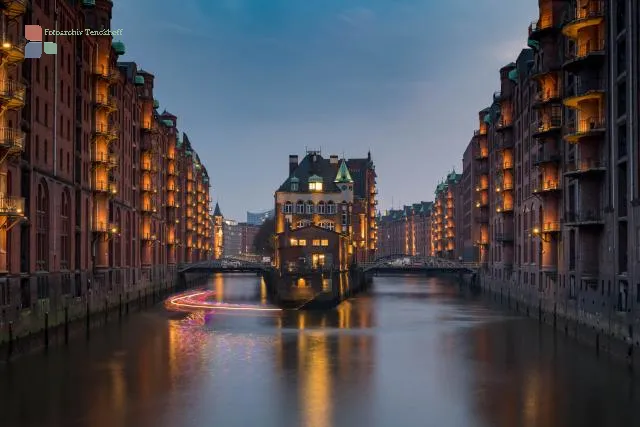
pixel 62 318
pixel 605 331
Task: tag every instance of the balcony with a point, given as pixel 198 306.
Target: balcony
pixel 148 237
pixel 481 204
pixel 586 129
pixel 506 165
pixel 11 206
pixel 479 132
pixel 109 132
pixel 481 154
pixel 586 90
pixel 504 237
pixel 506 186
pixel 545 66
pixel 585 53
pixel 538 28
pixel 550 227
pixel 12 48
pixel 541 98
pixel 108 103
pixel 104 227
pixel 12 94
pixel 548 186
pixel 106 187
pixel 589 13
pixel 585 218
pixel 105 159
pixel 14 8
pixel 150 126
pixel 148 166
pixel 505 207
pixel 548 125
pixel 11 140
pixel 482 187
pixel 148 208
pixel 587 167
pixel 148 188
pixel 106 73
pixel 482 242
pixel 504 124
pixel 542 158
pixel 173 204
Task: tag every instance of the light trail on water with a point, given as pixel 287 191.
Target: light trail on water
pixel 201 301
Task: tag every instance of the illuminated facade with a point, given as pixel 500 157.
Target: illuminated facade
pixel 406 231
pixel 99 196
pixel 323 193
pixel 218 233
pixel 556 165
pixel 445 242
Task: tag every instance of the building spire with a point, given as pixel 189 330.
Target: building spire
pixel 343 175
pixel 216 211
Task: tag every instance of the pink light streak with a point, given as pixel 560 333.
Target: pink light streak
pixel 200 300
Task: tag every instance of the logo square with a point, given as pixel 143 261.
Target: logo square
pixel 33 33
pixel 33 50
pixel 50 48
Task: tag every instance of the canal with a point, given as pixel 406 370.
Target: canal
pixel 413 352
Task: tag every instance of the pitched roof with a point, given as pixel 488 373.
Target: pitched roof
pixel 216 211
pixel 312 165
pixel 343 174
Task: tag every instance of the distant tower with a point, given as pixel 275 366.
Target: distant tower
pixel 218 221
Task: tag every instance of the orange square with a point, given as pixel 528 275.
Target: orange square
pixel 33 33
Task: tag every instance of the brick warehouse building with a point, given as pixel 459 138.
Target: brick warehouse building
pixel 556 167
pixel 406 231
pixel 99 194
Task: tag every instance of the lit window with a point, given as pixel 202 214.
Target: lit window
pixel 327 225
pixel 325 242
pixel 316 243
pixel 294 242
pixel 302 242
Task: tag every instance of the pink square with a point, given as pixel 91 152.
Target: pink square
pixel 33 33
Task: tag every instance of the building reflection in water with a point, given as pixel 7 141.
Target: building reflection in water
pixel 323 356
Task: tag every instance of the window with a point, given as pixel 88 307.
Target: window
pixel 329 225
pixel 46 78
pixel 46 114
pixel 315 184
pixel 65 218
pixel 294 242
pixel 316 242
pixel 287 207
pixel 309 209
pixel 42 228
pixel 303 223
pixel 331 208
pixel 324 242
pixel 37 107
pixel 321 208
pixel 300 207
pixel 345 219
pixel 294 185
pixel 302 242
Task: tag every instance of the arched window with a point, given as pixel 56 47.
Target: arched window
pixel 321 208
pixel 329 225
pixel 303 223
pixel 300 207
pixel 331 208
pixel 309 209
pixel 287 208
pixel 65 230
pixel 42 227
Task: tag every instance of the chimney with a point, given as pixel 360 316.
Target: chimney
pixel 333 160
pixel 293 164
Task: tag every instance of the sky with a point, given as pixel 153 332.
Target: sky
pixel 253 81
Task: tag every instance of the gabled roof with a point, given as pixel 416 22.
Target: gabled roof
pixel 313 164
pixel 343 176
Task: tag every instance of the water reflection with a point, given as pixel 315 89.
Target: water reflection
pixel 415 352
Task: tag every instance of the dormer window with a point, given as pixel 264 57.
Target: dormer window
pixel 315 183
pixel 294 186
